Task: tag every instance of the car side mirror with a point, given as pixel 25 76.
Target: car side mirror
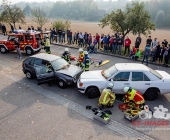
pixel 111 80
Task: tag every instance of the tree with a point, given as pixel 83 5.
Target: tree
pixel 12 14
pixel 133 19
pixel 59 24
pixel 39 16
pixel 160 18
pixel 27 10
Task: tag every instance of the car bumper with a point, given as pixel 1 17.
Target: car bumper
pixel 80 89
pixel 38 49
pixel 23 71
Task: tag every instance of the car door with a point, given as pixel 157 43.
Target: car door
pixel 21 42
pixel 140 81
pixel 43 74
pixel 11 44
pixel 120 80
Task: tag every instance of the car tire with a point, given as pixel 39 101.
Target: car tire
pixel 62 84
pixel 29 51
pixel 3 49
pixel 151 94
pixel 28 75
pixel 93 92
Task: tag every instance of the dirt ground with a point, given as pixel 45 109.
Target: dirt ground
pixel 93 28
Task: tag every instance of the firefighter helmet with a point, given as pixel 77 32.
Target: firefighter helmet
pixel 66 50
pixel 127 89
pixel 80 50
pixel 110 85
pixel 85 52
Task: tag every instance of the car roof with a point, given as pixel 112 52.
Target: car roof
pixel 45 56
pixel 131 67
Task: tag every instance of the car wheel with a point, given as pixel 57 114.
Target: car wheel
pixel 3 49
pixel 29 51
pixel 62 84
pixel 28 75
pixel 151 94
pixel 93 92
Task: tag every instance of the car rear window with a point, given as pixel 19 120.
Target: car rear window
pixel 155 73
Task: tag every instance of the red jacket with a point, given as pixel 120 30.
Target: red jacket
pixel 97 38
pixel 127 42
pixel 134 51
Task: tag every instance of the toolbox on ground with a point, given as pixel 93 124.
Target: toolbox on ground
pixel 131 114
pixel 102 117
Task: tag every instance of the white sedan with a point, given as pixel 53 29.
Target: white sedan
pixel 138 76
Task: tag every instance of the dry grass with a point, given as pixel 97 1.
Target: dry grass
pixel 93 28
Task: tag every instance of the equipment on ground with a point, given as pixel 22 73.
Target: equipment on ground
pixel 102 116
pixel 102 63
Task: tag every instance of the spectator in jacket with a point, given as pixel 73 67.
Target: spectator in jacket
pixel 70 37
pixel 165 42
pixel 166 56
pixel 149 41
pixel 75 38
pixel 119 44
pixel 105 43
pixel 59 34
pixel 153 54
pixel 101 39
pixel 161 53
pixel 4 29
pixel 86 35
pixel 146 54
pixel 63 36
pixel 114 44
pixel 154 43
pixel 133 52
pixel 98 39
pixel 12 28
pixel 158 50
pixel 89 39
pixel 51 36
pixel 137 55
pixel 127 45
pixel 138 41
pixel 81 37
pixel 110 43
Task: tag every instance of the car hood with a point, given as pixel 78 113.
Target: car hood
pixel 71 70
pixel 164 74
pixel 92 75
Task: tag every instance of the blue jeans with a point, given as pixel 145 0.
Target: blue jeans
pixel 59 38
pixel 51 39
pixel 146 59
pixel 113 48
pixel 70 39
pixel 119 49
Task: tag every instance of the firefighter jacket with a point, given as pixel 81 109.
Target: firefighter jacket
pixel 134 96
pixel 66 56
pixel 47 43
pixel 86 63
pixel 107 97
pixel 81 57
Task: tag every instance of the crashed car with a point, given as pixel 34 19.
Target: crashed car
pixel 138 76
pixel 59 71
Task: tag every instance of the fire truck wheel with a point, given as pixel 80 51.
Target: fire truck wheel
pixel 3 49
pixel 29 51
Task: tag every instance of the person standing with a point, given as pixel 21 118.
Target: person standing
pixel 86 35
pixel 59 34
pixel 119 44
pixel 70 37
pixel 146 54
pixel 165 42
pixel 12 28
pixel 114 44
pixel 98 39
pixel 51 36
pixel 154 43
pixel 166 56
pixel 138 41
pixel 17 47
pixel 86 61
pixel 149 41
pixel 127 45
pixel 63 36
pixel 20 28
pixel 4 29
pixel 89 39
pixel 47 45
pixel 75 38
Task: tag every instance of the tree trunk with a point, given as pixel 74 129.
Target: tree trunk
pixel 14 26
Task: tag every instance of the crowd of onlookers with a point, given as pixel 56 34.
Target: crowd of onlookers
pixel 155 50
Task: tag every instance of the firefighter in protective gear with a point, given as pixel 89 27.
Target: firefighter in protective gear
pixel 107 97
pixel 66 55
pixel 134 96
pixel 81 57
pixel 47 45
pixel 48 67
pixel 86 61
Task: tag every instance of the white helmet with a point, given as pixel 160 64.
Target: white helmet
pixel 126 89
pixel 80 50
pixel 66 50
pixel 85 52
pixel 110 85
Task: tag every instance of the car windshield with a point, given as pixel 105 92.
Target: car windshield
pixel 59 64
pixel 155 73
pixel 109 72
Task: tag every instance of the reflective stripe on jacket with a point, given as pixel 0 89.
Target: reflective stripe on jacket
pixel 66 56
pixel 106 96
pixel 47 43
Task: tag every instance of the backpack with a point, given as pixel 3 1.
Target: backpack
pixel 147 52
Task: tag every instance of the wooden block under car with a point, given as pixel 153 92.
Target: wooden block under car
pixel 98 116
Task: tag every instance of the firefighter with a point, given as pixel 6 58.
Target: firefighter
pixel 66 55
pixel 47 45
pixel 107 97
pixel 134 96
pixel 81 58
pixel 86 61
pixel 48 67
